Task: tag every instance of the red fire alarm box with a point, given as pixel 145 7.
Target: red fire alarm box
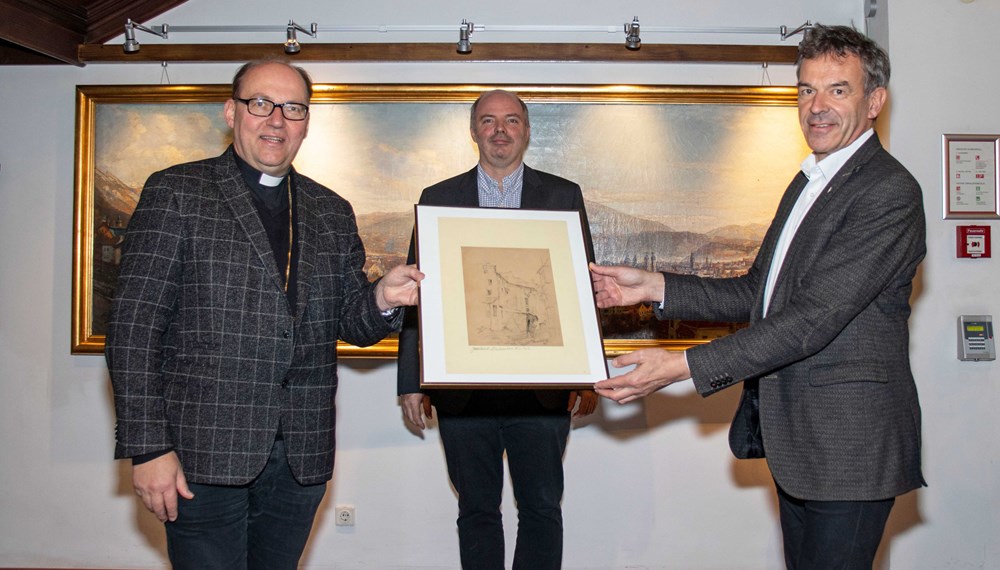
pixel 973 241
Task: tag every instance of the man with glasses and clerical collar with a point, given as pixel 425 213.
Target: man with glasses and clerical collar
pixel 238 277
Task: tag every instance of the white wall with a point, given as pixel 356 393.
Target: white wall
pixel 650 485
pixel 945 56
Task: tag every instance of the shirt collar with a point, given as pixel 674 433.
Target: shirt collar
pixel 273 197
pixel 509 182
pixel 831 165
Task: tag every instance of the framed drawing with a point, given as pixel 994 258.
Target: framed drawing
pixel 507 299
pixel 971 176
pixel 675 178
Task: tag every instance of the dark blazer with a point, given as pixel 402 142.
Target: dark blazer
pixel 204 352
pixel 838 405
pixel 540 191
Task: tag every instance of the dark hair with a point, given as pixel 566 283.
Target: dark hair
pixel 246 67
pixel 843 41
pixel 475 105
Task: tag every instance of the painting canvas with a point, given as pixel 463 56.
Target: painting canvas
pixel 682 179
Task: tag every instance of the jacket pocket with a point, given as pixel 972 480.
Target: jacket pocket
pixel 847 372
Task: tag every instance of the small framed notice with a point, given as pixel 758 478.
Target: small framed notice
pixel 507 300
pixel 971 178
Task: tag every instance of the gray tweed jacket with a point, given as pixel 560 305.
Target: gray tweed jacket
pixel 204 352
pixel 839 413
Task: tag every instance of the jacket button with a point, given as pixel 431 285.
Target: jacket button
pixel 284 383
pixel 286 333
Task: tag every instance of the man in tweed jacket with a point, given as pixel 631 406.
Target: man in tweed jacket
pixel 238 276
pixel 828 397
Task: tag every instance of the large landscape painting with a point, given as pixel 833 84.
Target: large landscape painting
pixel 681 179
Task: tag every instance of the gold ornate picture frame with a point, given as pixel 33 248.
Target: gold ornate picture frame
pixel 677 178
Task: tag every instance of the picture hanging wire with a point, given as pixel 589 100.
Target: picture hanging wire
pixel 765 77
pixel 164 75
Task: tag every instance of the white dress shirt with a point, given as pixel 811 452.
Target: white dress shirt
pixel 819 175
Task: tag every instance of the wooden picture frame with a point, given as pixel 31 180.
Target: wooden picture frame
pixel 507 300
pixel 678 178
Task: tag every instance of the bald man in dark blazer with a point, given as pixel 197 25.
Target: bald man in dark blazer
pixel 828 397
pixel 479 426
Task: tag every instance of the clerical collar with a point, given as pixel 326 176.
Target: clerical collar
pixel 268 189
pixel 272 181
pixel 255 177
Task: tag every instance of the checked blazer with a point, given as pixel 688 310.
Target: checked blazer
pixel 539 191
pixel 838 408
pixel 205 354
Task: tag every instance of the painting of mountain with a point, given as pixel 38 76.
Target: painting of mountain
pixel 671 184
pixel 628 240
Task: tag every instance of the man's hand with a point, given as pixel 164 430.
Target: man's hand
pixel 654 369
pixel 588 402
pixel 620 286
pixel 416 407
pixel 158 482
pixel 398 288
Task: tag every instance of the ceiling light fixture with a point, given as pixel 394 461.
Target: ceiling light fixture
pixel 805 29
pixel 131 45
pixel 632 40
pixel 464 31
pixel 292 45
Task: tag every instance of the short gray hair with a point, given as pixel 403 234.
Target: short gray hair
pixel 842 41
pixel 246 67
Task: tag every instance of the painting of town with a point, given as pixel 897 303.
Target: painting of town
pixel 675 179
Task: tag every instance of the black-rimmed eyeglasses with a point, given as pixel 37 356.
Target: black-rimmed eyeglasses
pixel 261 107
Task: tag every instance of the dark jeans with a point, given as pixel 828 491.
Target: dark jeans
pixel 842 535
pixel 262 525
pixel 474 446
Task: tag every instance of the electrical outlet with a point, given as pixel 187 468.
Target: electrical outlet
pixel 345 515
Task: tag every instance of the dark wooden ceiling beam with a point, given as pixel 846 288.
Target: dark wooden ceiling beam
pixel 436 52
pixel 13 54
pixel 39 31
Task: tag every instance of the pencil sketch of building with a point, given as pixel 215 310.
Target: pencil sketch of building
pixel 510 298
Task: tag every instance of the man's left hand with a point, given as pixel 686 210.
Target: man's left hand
pixel 398 288
pixel 655 368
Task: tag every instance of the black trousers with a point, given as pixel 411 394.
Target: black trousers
pixel 475 442
pixel 828 535
pixel 263 525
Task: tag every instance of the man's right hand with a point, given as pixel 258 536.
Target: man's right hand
pixel 620 286
pixel 158 482
pixel 416 407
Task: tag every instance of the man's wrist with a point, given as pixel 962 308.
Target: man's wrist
pixel 380 302
pixel 147 457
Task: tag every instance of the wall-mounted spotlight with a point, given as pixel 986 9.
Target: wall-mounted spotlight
pixel 632 40
pixel 464 31
pixel 805 29
pixel 292 44
pixel 131 45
